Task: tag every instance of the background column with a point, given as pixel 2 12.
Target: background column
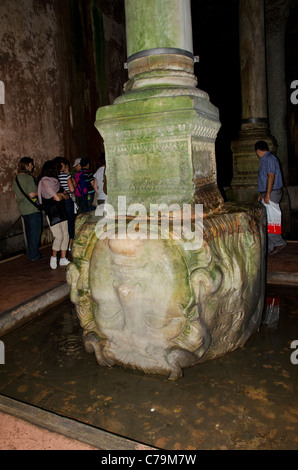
pixel 276 18
pixel 254 123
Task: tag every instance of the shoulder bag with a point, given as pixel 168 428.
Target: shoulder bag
pixel 35 204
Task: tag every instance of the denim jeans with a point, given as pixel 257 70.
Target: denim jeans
pixel 69 206
pixel 33 227
pixel 86 203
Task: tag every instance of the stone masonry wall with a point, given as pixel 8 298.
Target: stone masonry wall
pixel 58 64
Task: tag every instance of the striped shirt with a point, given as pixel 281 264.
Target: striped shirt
pixel 63 180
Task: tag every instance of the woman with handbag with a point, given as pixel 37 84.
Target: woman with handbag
pixel 25 190
pixel 52 196
pixel 68 184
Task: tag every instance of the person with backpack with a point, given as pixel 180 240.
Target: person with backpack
pixel 81 192
pixel 91 185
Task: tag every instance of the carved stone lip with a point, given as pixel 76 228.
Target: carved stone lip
pixel 160 50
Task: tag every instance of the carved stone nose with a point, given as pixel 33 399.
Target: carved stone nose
pixel 125 247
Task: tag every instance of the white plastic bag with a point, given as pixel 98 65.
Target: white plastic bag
pixel 272 312
pixel 273 217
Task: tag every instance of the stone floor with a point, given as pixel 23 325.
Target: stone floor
pixel 244 400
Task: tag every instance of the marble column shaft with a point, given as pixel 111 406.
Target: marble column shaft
pixel 253 63
pixel 277 12
pixel 154 24
pixel 159 43
pixel 254 123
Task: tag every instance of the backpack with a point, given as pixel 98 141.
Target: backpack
pixel 81 187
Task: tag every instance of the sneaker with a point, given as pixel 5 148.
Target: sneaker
pixel 64 262
pixel 53 262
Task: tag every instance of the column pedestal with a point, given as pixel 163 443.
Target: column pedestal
pixel 246 164
pixel 163 151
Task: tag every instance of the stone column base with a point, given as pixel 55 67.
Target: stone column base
pixel 159 146
pixel 246 163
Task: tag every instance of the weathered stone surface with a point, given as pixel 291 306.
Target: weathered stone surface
pixel 151 305
pixel 159 305
pixel 246 164
pixel 30 120
pixel 160 147
pixel 252 59
pixel 56 64
pixel 158 23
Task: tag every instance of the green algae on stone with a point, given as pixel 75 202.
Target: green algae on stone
pixel 151 305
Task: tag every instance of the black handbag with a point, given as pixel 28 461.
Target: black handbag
pixel 55 210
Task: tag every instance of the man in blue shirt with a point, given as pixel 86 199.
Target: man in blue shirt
pixel 270 185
